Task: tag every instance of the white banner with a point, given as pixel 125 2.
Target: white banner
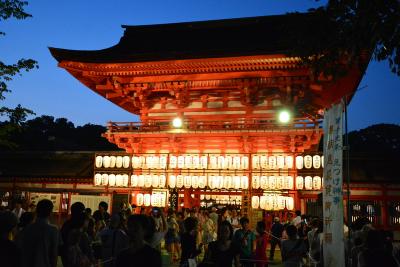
pixel 34 198
pixel 91 201
pixel 333 242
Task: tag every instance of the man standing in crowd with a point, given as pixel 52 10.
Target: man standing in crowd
pixel 40 241
pixel 18 210
pixel 276 235
pixel 245 238
pixel 101 213
pixel 9 252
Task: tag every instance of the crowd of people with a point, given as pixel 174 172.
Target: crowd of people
pixel 192 237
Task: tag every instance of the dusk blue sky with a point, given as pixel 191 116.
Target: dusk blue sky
pixel 92 25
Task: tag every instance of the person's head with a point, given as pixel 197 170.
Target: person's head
pixel 314 223
pixel 103 206
pixel 137 225
pixel 276 220
pixel 291 231
pixel 77 208
pixel 298 213
pixel 206 214
pixel 244 222
pixel 260 227
pixel 79 221
pixel 18 204
pixel 8 224
pixel 44 208
pixel 26 219
pixel 225 231
pixel 190 224
pixel 234 213
pixel 213 209
pixel 88 211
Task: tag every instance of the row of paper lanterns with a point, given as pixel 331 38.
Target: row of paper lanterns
pixel 155 199
pixel 272 202
pixel 212 181
pixel 230 162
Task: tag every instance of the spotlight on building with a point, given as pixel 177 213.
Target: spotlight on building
pixel 177 123
pixel 284 116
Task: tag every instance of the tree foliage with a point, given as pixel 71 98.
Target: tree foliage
pixel 346 32
pixel 16 116
pixel 48 134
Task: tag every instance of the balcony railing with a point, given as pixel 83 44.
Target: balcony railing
pixel 166 126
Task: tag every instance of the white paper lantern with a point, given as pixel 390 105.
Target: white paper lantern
pixel 236 163
pixel 272 162
pixel 104 179
pixel 308 161
pixel 204 162
pixel 136 162
pixel 147 180
pixel 202 181
pixel 139 199
pixel 290 203
pixel 172 181
pixel 155 180
pixel 316 161
pixel 255 202
pixel 212 181
pixel 112 180
pixel 281 202
pixel 255 161
pixel 149 162
pixel 195 162
pixel 322 161
pixel 188 162
pixel 154 200
pixel 289 182
pixel 208 197
pixel 106 162
pixel 272 182
pixel 264 162
pixel 162 180
pixel 280 182
pixel 173 161
pixel 195 181
pixel 245 163
pixel 179 181
pixel 119 180
pixel 181 162
pixel 308 183
pixel 299 182
pixel 263 202
pixel 220 180
pixel 125 180
pixel 163 161
pixel 125 161
pixel 97 179
pixel 299 162
pixel 118 162
pixel 269 203
pixel 113 160
pixel 228 182
pixel 163 200
pixel 221 162
pixel 236 182
pixel 99 162
pixel 280 162
pixel 141 180
pixel 134 180
pixel 317 183
pixel 187 181
pixel 289 162
pixel 244 182
pixel 228 162
pixel 213 162
pixel 147 200
pixel 255 182
pixel 156 162
pixel 264 182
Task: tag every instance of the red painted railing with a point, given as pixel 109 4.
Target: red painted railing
pixel 152 126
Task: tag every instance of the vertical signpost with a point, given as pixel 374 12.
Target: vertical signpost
pixel 333 242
